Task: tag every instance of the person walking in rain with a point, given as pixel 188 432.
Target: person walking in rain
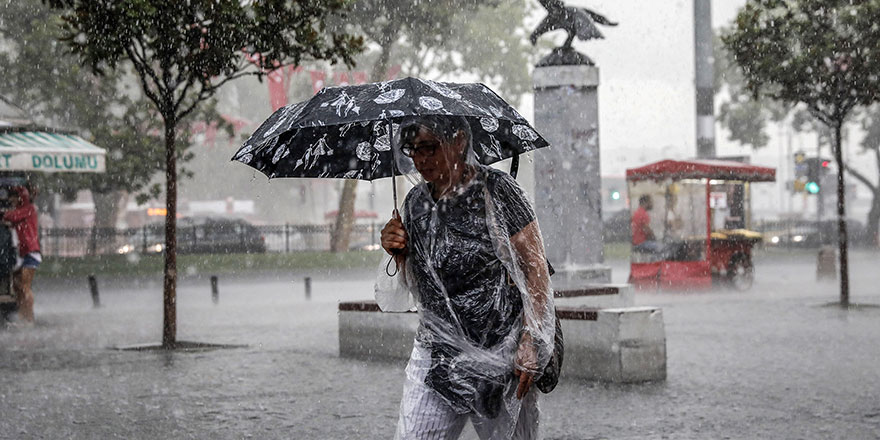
pixel 471 256
pixel 23 217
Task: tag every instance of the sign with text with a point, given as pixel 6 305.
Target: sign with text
pixel 52 162
pixel 22 150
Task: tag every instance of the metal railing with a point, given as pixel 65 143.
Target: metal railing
pixel 75 242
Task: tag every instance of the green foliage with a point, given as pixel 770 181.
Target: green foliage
pixel 42 77
pixel 489 43
pixel 484 39
pixel 425 23
pixel 183 51
pixel 745 116
pixel 823 53
pixel 49 82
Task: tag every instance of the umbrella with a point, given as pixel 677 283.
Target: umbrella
pixel 346 132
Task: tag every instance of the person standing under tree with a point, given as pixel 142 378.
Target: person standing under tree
pixel 23 217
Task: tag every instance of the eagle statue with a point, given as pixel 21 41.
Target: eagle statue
pixel 578 22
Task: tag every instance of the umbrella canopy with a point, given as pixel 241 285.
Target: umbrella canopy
pixel 346 132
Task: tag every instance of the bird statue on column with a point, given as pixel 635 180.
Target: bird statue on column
pixel 578 22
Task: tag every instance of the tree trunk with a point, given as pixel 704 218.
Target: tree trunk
pixel 873 224
pixel 341 235
pixel 169 327
pixel 108 207
pixel 841 216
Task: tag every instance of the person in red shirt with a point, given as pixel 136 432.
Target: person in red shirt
pixel 643 239
pixel 23 217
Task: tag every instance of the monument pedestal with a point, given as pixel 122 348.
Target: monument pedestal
pixel 568 184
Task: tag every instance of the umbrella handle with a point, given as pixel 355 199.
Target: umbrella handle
pixel 396 213
pixel 393 162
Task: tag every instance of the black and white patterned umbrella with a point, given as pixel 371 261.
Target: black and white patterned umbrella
pixel 344 132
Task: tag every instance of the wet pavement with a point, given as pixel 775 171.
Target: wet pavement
pixel 769 363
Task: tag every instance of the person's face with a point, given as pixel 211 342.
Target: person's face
pixel 435 159
pixel 14 199
pixel 649 204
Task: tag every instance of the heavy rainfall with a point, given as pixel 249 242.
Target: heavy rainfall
pixel 497 219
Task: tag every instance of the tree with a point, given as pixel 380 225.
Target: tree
pixel 42 78
pixel 746 120
pixel 183 52
pixel 871 145
pixel 460 37
pixel 53 87
pixel 744 115
pixel 822 53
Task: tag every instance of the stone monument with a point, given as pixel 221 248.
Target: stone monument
pixel 568 178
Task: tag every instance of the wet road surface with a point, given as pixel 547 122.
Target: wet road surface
pixel 768 363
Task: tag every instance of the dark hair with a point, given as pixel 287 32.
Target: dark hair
pixel 443 126
pixel 644 199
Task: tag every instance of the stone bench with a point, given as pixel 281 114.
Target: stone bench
pixel 599 296
pixel 624 344
pixel 367 333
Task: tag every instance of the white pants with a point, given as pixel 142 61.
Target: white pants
pixel 424 415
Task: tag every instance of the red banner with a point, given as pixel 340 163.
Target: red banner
pixel 277 89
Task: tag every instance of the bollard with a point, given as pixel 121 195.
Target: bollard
pixel 826 263
pixel 308 281
pixel 215 293
pixel 93 286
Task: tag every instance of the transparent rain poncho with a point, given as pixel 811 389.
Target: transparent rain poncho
pixel 475 271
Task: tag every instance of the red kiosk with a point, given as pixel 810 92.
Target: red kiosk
pixel 693 219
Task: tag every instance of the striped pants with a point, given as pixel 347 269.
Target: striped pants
pixel 424 415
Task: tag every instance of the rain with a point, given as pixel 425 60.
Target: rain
pixel 373 219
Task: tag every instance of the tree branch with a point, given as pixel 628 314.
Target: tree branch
pixel 819 114
pixel 205 93
pixel 140 69
pixel 208 91
pixel 877 156
pixel 859 176
pixel 183 94
pixel 139 53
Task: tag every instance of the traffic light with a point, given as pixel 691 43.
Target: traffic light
pixel 817 168
pixel 798 184
pixel 614 194
pixel 800 164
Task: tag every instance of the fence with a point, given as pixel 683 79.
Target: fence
pixel 240 237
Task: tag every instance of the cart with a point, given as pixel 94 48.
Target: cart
pixel 699 220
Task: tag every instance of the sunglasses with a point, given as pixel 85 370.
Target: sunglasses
pixel 424 149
